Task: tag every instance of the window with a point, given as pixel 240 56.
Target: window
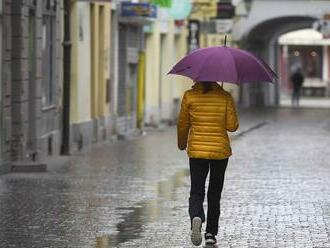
pixel 49 53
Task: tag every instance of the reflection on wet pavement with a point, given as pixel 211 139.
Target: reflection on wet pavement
pixel 144 212
pixel 71 205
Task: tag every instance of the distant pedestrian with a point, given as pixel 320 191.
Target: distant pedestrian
pixel 207 113
pixel 297 80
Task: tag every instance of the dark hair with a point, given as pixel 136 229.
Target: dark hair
pixel 207 86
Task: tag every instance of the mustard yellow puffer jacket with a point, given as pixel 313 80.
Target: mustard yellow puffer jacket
pixel 204 121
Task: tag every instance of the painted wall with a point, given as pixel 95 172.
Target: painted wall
pixel 81 59
pixel 101 28
pixel 164 47
pixel 181 84
pixel 168 59
pixel 152 75
pixel 90 31
pixel 203 10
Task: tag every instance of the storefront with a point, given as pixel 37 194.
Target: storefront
pixel 308 50
pixel 130 46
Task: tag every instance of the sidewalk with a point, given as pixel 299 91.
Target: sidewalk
pixel 307 102
pixel 134 193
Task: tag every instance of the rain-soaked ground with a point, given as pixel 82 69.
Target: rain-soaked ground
pixel 134 193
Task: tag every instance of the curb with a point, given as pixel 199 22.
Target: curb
pixel 250 129
pixel 27 167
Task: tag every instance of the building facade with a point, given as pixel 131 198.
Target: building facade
pixel 3 18
pixel 210 23
pixel 90 72
pixel 308 50
pixel 259 29
pixel 166 43
pixel 117 73
pixel 130 47
pixel 31 62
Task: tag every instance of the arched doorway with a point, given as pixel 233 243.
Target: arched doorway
pixel 308 50
pixel 262 39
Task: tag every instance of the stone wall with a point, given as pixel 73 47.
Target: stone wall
pixel 35 119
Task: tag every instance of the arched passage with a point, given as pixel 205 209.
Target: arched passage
pixel 262 39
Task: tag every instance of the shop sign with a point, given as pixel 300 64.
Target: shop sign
pixel 193 37
pixel 138 9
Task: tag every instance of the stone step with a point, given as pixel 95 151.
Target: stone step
pixel 27 166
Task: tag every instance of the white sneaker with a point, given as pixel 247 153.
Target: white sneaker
pixel 210 239
pixel 196 235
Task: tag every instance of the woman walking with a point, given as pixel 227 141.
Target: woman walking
pixel 207 113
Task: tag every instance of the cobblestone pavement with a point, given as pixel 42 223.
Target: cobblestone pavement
pixel 135 193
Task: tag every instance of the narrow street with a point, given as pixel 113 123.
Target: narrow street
pixel 134 193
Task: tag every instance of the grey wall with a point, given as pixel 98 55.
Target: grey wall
pixel 35 127
pixel 6 80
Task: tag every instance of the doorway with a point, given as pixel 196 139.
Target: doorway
pixel 305 49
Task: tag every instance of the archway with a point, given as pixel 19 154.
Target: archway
pixel 308 50
pixel 262 39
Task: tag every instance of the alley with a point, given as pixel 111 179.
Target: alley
pixel 134 193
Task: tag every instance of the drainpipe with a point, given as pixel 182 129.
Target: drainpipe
pixel 65 149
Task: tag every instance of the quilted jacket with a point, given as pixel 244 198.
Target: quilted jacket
pixel 204 120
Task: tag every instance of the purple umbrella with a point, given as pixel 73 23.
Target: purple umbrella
pixel 224 64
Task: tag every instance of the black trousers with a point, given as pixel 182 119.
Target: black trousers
pixel 199 169
pixel 295 96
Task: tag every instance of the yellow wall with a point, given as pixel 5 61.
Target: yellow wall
pixel 100 48
pixel 141 90
pixel 174 47
pixel 168 59
pixel 181 83
pixel 152 73
pixel 203 10
pixel 80 62
pixel 90 34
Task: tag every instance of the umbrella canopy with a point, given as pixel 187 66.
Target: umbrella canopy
pixel 224 64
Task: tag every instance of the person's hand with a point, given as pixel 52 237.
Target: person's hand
pixel 182 148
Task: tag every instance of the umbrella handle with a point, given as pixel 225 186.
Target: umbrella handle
pixel 222 84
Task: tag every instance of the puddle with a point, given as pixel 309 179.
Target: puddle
pixel 144 212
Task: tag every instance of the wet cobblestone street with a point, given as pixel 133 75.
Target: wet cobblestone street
pixel 134 193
